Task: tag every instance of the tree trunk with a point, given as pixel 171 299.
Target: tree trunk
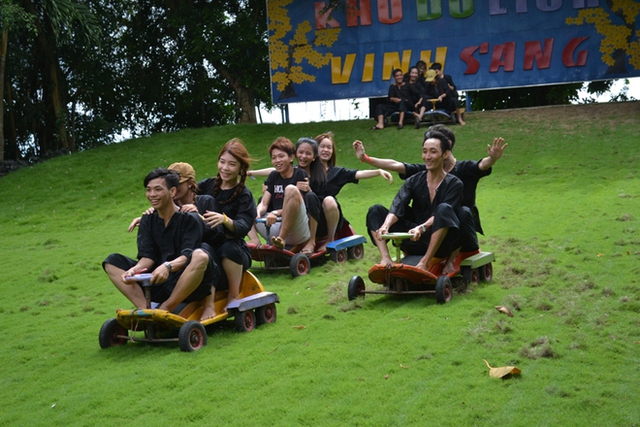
pixel 3 59
pixel 245 100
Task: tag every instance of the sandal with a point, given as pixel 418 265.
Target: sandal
pixel 277 242
pixel 306 251
pixel 400 127
pixel 376 128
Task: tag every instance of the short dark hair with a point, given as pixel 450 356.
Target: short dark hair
pixel 171 177
pixel 445 144
pixel 436 66
pixel 396 71
pixel 443 130
pixel 421 62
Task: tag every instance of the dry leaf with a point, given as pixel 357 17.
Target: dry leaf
pixel 503 309
pixel 502 370
pixel 404 367
pixel 299 327
pixel 386 376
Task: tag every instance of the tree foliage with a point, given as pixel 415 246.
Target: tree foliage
pixel 93 68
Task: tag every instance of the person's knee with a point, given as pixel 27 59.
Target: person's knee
pixel 329 203
pixel 444 209
pixel 199 259
pixel 292 193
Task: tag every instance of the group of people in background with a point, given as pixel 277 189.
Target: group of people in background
pixel 413 93
pixel 193 239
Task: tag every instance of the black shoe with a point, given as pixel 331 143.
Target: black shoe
pixel 417 124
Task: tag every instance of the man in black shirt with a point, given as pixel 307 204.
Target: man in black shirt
pixel 168 246
pixel 394 99
pixel 424 207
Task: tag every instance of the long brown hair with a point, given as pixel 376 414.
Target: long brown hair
pixel 236 148
pixel 328 135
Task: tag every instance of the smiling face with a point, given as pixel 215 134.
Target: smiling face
pixel 229 168
pixel 432 154
pixel 158 194
pixel 281 161
pixel 413 75
pixel 305 155
pixel 325 149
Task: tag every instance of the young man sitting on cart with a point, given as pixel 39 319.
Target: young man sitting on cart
pixel 425 206
pixel 168 247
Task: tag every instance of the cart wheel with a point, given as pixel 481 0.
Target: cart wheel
pixel 356 252
pixel 299 265
pixel 110 334
pixel 266 314
pixel 356 288
pixel 338 256
pixel 192 336
pixel 475 276
pixel 444 290
pixel 485 273
pixel 245 321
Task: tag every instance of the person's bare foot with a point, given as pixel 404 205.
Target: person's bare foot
pixel 385 262
pixel 449 267
pixel 462 122
pixel 208 313
pixel 308 248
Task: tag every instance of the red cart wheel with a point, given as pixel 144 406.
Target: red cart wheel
pixel 339 256
pixel 356 252
pixel 112 334
pixel 192 336
pixel 245 321
pixel 299 265
pixel 266 314
pixel 444 290
pixel 356 288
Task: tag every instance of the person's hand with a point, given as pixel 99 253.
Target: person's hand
pixel 303 185
pixel 384 229
pixel 134 224
pixel 189 208
pixel 213 219
pixel 417 233
pixel 159 275
pixel 359 147
pixel 264 187
pixel 386 175
pixel 495 151
pixel 131 272
pixel 271 219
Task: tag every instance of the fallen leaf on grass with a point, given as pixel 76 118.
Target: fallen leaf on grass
pixel 503 309
pixel 404 367
pixel 502 370
pixel 299 327
pixel 386 376
pixel 600 255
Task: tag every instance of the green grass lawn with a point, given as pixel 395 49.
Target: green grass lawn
pixel 561 212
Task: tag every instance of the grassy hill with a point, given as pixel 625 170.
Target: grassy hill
pixel 561 212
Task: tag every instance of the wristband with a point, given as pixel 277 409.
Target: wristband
pixel 226 218
pixel 166 264
pixel 365 159
pixel 423 229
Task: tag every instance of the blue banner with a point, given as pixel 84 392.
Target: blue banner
pixel 319 53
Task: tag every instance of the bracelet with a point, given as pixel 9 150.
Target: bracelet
pixel 226 218
pixel 365 159
pixel 166 264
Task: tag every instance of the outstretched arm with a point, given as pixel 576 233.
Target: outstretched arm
pixel 388 164
pixel 372 173
pixel 261 172
pixel 495 152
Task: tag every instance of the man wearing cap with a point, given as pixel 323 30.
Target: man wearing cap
pixel 167 247
pixel 437 88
